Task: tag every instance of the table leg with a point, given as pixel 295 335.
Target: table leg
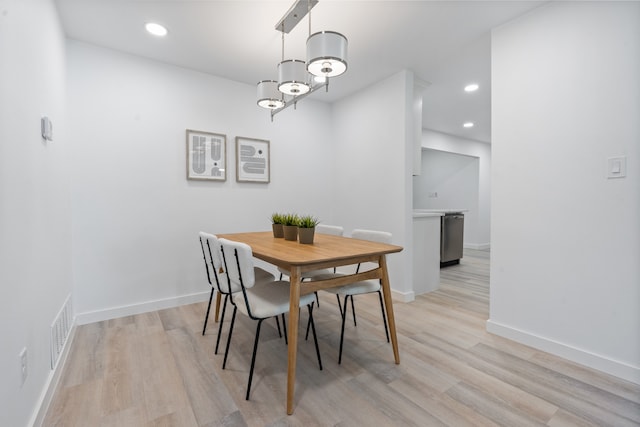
pixel 388 305
pixel 218 298
pixel 294 304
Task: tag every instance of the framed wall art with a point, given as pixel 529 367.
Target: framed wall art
pixel 206 155
pixel 252 160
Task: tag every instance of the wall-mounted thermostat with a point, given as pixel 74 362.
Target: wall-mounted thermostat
pixel 46 128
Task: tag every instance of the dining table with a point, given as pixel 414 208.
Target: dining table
pixel 326 251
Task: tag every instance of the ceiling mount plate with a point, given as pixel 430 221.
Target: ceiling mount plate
pixel 295 14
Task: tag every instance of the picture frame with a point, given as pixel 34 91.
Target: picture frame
pixel 253 160
pixel 206 155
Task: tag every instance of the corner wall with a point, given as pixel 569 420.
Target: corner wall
pixel 35 201
pixel 136 216
pixel 373 158
pixel 565 239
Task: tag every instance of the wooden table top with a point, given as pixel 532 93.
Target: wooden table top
pixel 325 248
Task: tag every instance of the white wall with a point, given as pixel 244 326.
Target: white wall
pixel 35 200
pixel 479 225
pixel 565 239
pixel 449 181
pixel 136 217
pixel 373 164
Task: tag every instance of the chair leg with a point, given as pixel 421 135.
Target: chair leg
pixel 206 317
pixel 284 326
pixel 253 357
pixel 317 299
pixel 344 318
pixel 226 352
pixel 339 304
pixel 384 317
pixel 306 335
pixel 224 309
pixel 353 311
pixel 278 323
pixel 315 338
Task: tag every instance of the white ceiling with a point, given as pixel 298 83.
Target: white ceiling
pixel 445 43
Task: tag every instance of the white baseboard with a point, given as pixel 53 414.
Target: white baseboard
pixel 402 296
pixel 478 246
pixel 129 310
pixel 51 383
pixel 577 355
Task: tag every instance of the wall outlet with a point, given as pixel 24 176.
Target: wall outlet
pixel 24 371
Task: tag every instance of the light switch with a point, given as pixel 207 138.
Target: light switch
pixel 46 128
pixel 617 167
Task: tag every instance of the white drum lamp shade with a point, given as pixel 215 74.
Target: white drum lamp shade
pixel 269 96
pixel 293 78
pixel 327 54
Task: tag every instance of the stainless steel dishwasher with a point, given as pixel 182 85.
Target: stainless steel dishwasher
pixel 451 238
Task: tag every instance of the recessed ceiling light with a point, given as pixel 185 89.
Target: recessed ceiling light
pixel 156 29
pixel 468 124
pixel 471 87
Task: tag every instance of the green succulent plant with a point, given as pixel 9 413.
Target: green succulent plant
pixel 308 221
pixel 290 219
pixel 277 218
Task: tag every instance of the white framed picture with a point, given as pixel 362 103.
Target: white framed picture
pixel 252 160
pixel 206 155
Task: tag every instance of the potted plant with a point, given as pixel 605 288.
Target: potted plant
pixel 276 224
pixel 290 226
pixel 307 228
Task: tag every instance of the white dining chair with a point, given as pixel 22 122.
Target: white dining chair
pixel 362 287
pixel 257 302
pixel 211 251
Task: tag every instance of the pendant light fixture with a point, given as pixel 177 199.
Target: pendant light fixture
pixel 269 96
pixel 326 57
pixel 327 54
pixel 293 78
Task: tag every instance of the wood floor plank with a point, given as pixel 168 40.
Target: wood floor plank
pixel 85 361
pixel 202 386
pixel 157 369
pixel 163 387
pixel 594 404
pixel 613 385
pixel 488 405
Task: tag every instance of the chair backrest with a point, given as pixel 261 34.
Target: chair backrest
pixel 372 235
pixel 334 230
pixel 211 252
pixel 238 263
pixel 205 254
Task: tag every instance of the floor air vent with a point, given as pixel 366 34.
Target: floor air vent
pixel 60 329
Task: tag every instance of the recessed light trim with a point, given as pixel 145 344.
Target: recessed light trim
pixel 468 124
pixel 472 87
pixel 156 29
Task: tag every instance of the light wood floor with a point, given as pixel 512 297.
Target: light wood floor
pixel 156 369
